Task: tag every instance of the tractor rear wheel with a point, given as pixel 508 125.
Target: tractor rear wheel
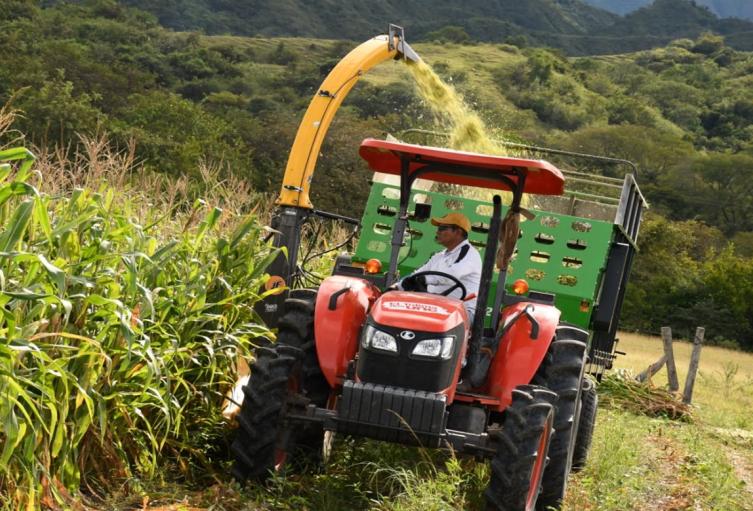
pixel 283 375
pixel 589 404
pixel 518 466
pixel 562 372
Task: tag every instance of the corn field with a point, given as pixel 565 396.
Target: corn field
pixel 122 320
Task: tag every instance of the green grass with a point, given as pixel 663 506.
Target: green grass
pixel 639 462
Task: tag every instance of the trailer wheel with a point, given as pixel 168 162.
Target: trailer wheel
pixel 518 466
pixel 562 372
pixel 282 373
pixel 589 405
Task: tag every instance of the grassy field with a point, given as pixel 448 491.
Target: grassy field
pixel 723 394
pixel 648 463
pixel 637 462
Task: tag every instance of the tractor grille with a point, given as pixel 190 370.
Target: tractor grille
pixel 391 414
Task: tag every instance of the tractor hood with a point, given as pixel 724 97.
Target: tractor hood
pixel 421 312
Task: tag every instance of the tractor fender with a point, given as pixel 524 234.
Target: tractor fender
pixel 342 304
pixel 519 356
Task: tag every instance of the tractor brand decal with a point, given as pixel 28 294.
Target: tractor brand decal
pixel 416 307
pixel 275 285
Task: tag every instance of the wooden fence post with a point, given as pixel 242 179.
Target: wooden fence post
pixel 652 369
pixel 695 358
pixel 666 335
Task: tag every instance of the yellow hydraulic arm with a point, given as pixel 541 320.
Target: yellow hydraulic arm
pixel 322 109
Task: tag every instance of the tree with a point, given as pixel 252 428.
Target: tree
pixel 449 34
pixel 665 277
pixel 55 114
pixel 716 187
pixel 653 150
pixel 173 134
pixel 729 281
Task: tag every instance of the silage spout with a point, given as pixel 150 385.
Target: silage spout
pixel 407 52
pixel 404 49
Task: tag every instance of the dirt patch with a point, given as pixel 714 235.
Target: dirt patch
pixel 674 492
pixel 733 440
pixel 742 466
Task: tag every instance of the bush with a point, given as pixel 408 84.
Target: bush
pixel 173 134
pixel 448 34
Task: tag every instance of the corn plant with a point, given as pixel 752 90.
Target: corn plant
pixel 117 338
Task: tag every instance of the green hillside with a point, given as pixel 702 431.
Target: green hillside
pixel 358 19
pixel 192 104
pixel 571 25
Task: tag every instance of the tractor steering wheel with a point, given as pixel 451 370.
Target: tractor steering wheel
pixel 446 292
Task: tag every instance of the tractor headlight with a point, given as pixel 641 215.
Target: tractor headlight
pixel 378 340
pixel 435 348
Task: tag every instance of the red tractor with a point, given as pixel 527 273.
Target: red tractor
pixel 508 383
pixel 357 360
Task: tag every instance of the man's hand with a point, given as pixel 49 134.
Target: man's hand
pixel 411 283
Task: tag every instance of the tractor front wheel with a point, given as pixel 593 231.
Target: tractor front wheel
pixel 283 375
pixel 518 466
pixel 562 372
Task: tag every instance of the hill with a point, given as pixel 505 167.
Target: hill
pixel 571 25
pixel 722 8
pixel 482 20
pixel 74 67
pixel 675 19
pixel 195 105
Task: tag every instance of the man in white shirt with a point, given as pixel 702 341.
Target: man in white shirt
pixel 459 259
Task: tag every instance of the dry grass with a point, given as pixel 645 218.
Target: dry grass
pixel 8 136
pixel 96 164
pixel 647 399
pixel 723 394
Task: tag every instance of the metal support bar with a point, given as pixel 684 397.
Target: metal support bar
pixel 589 181
pixel 593 196
pixel 401 222
pixel 486 274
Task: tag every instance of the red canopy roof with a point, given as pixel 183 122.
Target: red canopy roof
pixel 463 168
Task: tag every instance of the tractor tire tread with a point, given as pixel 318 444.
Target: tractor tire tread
pixel 266 392
pixel 584 436
pixel 561 372
pixel 525 421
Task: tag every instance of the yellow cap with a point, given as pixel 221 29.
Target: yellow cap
pixel 457 219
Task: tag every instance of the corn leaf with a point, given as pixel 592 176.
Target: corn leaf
pixel 16 229
pixel 43 218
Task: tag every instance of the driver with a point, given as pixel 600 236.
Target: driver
pixel 459 259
